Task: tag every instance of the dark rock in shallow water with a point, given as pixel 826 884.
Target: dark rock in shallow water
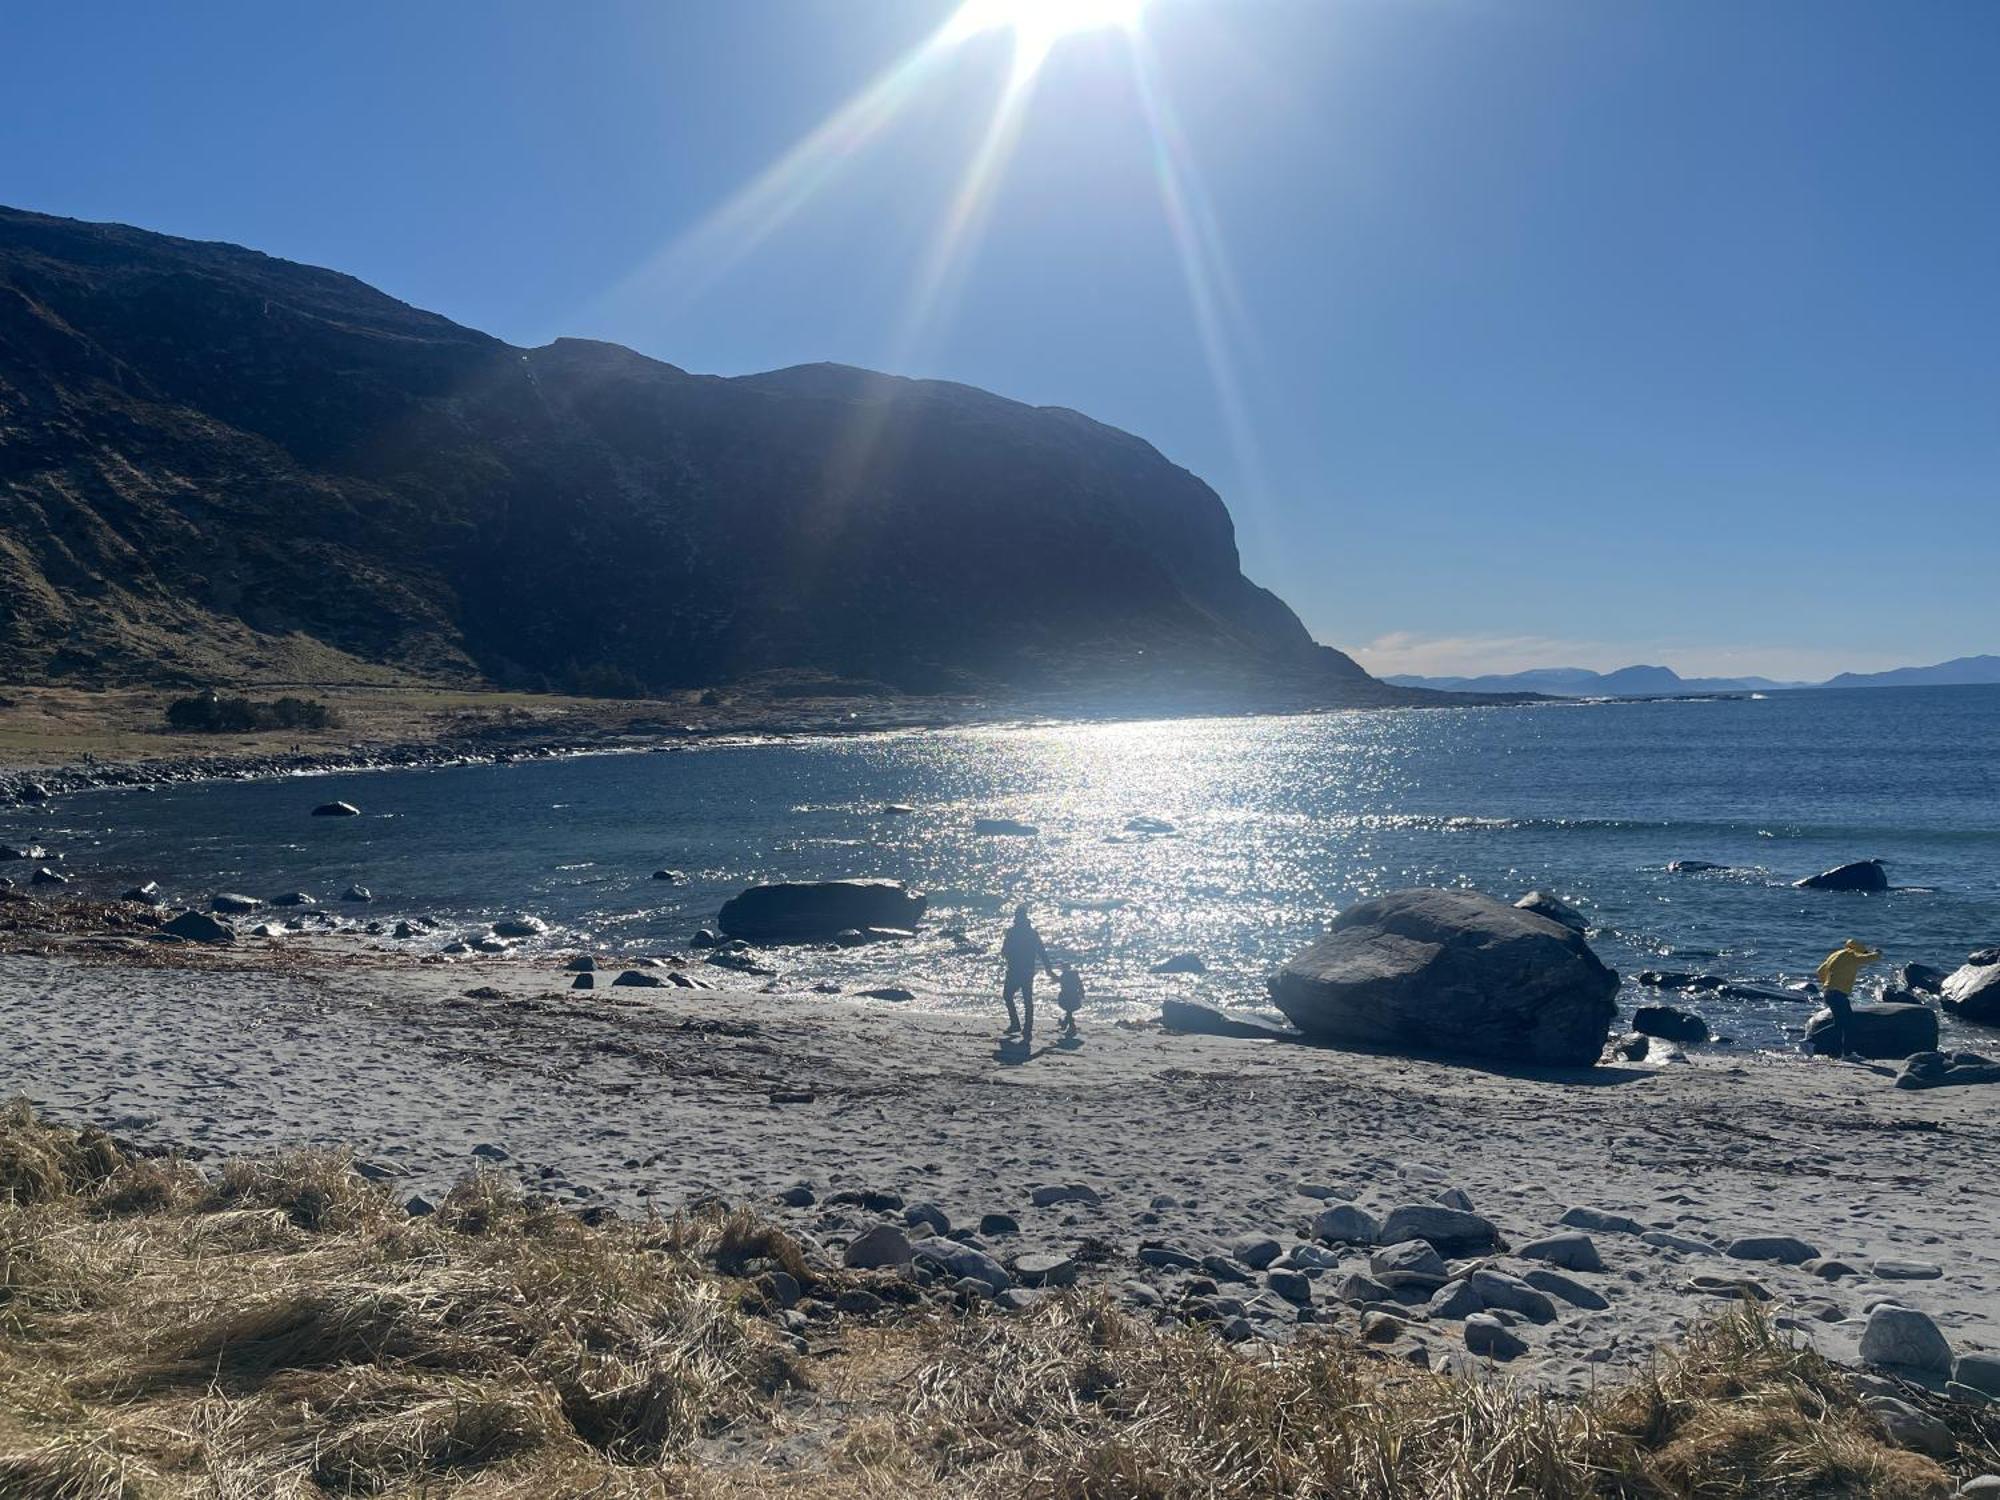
pixel 1922 978
pixel 233 904
pixel 673 876
pixel 1555 909
pixel 1972 993
pixel 200 927
pixel 1694 866
pixel 520 927
pixel 1148 825
pixel 1670 1022
pixel 357 893
pixel 149 893
pixel 1880 1030
pixel 46 876
pixel 1861 875
pixel 1452 973
pixel 336 810
pixel 1180 963
pixel 293 898
pixel 22 851
pixel 816 911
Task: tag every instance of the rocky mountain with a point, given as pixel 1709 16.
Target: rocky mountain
pixel 1961 671
pixel 215 463
pixel 1580 682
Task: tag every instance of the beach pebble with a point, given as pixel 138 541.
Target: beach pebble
pixel 357 893
pixel 1457 1198
pixel 1568 1288
pixel 1344 1224
pixel 1359 1289
pixel 1451 1231
pixel 1903 1338
pixel 1909 1428
pixel 1168 1258
pixel 1785 1249
pixel 1728 1286
pixel 1485 1336
pixel 998 1223
pixel 884 1245
pixel 1827 1269
pixel 1599 1220
pixel 1017 1299
pixel 798 1195
pixel 1686 1244
pixel 1380 1328
pixel 1315 1258
pixel 1906 1270
pixel 1573 1252
pixel 927 1216
pixel 963 1260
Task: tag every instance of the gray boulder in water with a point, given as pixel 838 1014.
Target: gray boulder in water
pixel 817 911
pixel 1670 1023
pixel 1972 993
pixel 1862 875
pixel 1880 1030
pixel 1452 973
pixel 199 927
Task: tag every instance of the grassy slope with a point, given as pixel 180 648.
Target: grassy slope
pixel 280 1328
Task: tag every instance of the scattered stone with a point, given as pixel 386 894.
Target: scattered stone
pixel 1485 1337
pixel 357 893
pixel 1145 824
pixel 1906 1270
pixel 1972 993
pixel 1785 1249
pixel 1499 1290
pixel 889 992
pixel 1180 963
pixel 1737 1287
pixel 858 1303
pixel 1294 1286
pixel 294 898
pixel 1686 1244
pixel 200 927
pixel 1455 1299
pixel 1573 1252
pixel 963 1260
pixel 520 927
pixel 1921 978
pixel 229 903
pixel 673 876
pixel 1256 1251
pixel 147 894
pixel 1828 1269
pixel 1602 1222
pixel 1457 1198
pixel 1861 875
pixel 581 964
pixel 1073 1192
pixel 336 810
pixel 1206 1020
pixel 1980 1371
pixel 1222 1268
pixel 704 938
pixel 884 1245
pixel 1168 1257
pixel 1411 1263
pixel 1450 1231
pixel 927 1216
pixel 417 1206
pixel 1452 972
pixel 638 979
pixel 1929 1070
pixel 1380 1328
pixel 799 1195
pixel 998 1224
pixel 1045 1270
pixel 486 1151
pixel 1360 1290
pixel 1903 1338
pixel 1568 1288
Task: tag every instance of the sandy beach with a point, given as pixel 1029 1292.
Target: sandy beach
pixel 638 1099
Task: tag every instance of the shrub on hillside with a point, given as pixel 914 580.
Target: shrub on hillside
pixel 210 713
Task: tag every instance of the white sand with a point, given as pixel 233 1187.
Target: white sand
pixel 636 1097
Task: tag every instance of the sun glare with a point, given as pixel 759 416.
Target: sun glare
pixel 1038 25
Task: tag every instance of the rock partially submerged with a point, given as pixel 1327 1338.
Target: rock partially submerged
pixel 1879 1030
pixel 1452 973
pixel 199 927
pixel 1555 909
pixel 1861 875
pixel 1206 1020
pixel 336 810
pixel 1671 1023
pixel 1972 993
pixel 818 911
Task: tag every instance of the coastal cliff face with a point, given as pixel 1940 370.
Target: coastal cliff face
pixel 213 462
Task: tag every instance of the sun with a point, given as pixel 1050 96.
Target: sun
pixel 1038 25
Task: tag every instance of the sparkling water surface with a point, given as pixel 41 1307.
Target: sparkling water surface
pixel 1280 823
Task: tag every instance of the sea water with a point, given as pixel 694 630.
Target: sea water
pixel 1279 823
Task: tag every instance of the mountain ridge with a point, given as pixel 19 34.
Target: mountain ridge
pixel 213 457
pixel 1652 681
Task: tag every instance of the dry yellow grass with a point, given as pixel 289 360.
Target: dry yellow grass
pixel 282 1329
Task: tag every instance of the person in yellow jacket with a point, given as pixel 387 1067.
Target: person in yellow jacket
pixel 1836 982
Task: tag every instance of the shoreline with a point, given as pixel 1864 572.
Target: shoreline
pixel 638 1099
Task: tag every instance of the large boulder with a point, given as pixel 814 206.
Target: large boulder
pixel 817 911
pixel 1670 1023
pixel 1452 973
pixel 1972 993
pixel 1880 1030
pixel 199 927
pixel 1862 875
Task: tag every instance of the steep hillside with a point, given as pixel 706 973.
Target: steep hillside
pixel 215 462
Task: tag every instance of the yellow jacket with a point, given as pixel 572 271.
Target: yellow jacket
pixel 1841 965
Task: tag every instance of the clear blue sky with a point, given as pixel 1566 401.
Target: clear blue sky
pixel 1538 331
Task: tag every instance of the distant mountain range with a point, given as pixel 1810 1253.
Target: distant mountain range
pixel 1651 682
